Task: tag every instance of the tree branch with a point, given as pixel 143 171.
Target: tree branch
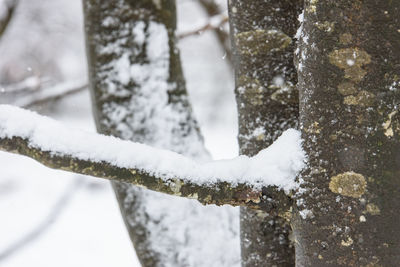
pixel 214 23
pixel 219 193
pixel 5 20
pixel 47 95
pixel 234 182
pixel 213 9
pixel 31 92
pixel 43 226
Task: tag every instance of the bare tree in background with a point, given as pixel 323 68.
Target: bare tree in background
pixel 156 112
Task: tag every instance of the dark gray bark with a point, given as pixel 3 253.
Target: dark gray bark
pixel 347 211
pixel 263 46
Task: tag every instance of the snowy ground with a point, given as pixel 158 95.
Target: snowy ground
pixel 88 229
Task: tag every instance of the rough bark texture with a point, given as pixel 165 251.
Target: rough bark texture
pixel 150 106
pixel 262 33
pixel 347 211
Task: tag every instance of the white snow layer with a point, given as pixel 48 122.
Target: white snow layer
pixel 276 165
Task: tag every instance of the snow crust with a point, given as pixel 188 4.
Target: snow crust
pixel 277 165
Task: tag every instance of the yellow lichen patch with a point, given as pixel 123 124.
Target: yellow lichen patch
pixel 193 196
pixel 208 199
pixel 345 38
pixel 347 242
pixel 349 184
pixel 387 125
pixel 313 128
pixel 261 214
pixel 260 137
pixel 351 61
pixel 176 186
pixel 261 41
pixel 374 263
pixel 363 99
pixel 373 209
pixel 252 89
pixel 287 215
pixel 285 94
pixel 347 88
pixel 360 119
pixel 141 186
pixel 325 26
pixel 312 8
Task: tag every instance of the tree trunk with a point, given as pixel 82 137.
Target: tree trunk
pixel 262 37
pixel 139 94
pixel 347 211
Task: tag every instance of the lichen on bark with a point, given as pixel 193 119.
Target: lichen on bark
pixel 344 82
pixel 349 184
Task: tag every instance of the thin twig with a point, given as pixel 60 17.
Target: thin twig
pixel 42 227
pixel 5 21
pixel 213 9
pixel 213 23
pixel 30 92
pixel 54 96
pixel 27 85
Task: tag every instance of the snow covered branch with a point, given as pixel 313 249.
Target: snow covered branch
pixel 239 181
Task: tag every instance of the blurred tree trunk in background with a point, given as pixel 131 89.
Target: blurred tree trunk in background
pixel 263 46
pixel 139 94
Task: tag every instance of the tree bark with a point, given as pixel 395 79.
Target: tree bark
pixel 262 38
pixel 151 109
pixel 347 211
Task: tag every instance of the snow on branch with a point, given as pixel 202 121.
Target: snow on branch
pixel 239 181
